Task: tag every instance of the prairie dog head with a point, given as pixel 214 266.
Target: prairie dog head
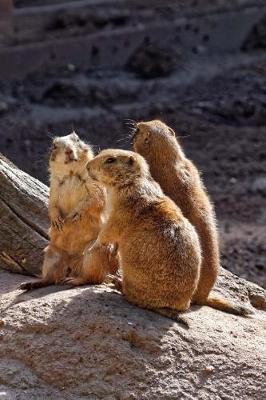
pixel 117 167
pixel 154 139
pixel 69 153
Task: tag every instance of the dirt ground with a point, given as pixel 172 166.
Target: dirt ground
pixel 220 118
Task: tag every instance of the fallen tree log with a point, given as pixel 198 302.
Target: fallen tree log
pixel 23 233
pixel 23 220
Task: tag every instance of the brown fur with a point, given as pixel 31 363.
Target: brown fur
pixel 97 264
pixel 158 248
pixel 76 210
pixel 181 181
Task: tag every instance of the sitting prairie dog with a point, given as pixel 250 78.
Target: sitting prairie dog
pixel 180 180
pixel 76 211
pixel 158 248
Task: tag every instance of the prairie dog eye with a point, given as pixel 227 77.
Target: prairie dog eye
pixel 146 140
pixel 110 160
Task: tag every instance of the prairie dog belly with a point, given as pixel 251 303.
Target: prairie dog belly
pixel 70 193
pixel 75 235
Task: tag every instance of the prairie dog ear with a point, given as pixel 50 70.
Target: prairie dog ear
pixel 74 135
pixel 171 131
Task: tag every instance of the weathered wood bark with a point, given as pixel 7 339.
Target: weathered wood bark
pixel 23 220
pixel 23 233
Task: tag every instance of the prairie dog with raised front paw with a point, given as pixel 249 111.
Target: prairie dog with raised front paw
pixel 76 211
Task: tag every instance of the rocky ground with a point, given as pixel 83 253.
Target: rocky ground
pixel 89 343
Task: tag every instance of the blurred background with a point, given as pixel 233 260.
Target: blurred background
pixel 200 66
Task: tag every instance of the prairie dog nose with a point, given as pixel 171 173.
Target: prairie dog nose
pixel 71 155
pixel 68 151
pixel 138 127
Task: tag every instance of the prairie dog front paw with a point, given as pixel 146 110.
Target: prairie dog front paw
pixel 57 221
pixel 75 216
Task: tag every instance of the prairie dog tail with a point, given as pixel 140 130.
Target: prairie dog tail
pixel 34 285
pixel 172 314
pixel 222 304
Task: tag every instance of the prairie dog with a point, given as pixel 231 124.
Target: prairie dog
pixel 181 181
pixel 158 247
pixel 76 211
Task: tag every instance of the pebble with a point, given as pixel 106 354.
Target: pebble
pixel 209 369
pixel 259 185
pixel 3 106
pixel 71 67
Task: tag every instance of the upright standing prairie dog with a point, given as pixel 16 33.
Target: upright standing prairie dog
pixel 180 180
pixel 76 211
pixel 158 247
